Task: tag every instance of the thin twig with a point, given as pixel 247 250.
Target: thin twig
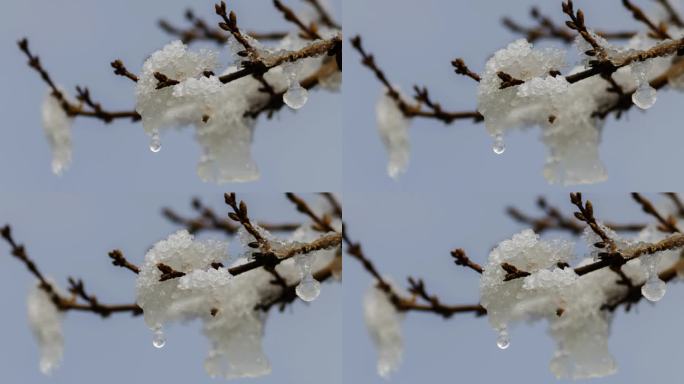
pixel 401 303
pixel 460 258
pixel 291 16
pixel 69 108
pixel 62 303
pixel 121 70
pixel 406 108
pixel 668 224
pixel 119 260
pixel 640 15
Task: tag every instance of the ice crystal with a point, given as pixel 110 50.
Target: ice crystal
pixel 562 110
pixel 222 114
pixel 384 325
pixel 393 128
pixel 580 328
pixel 645 95
pixel 296 96
pixel 57 126
pixel 308 288
pixel 227 305
pixel 572 305
pixel 45 320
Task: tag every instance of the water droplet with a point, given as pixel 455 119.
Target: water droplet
pixel 308 289
pixel 46 366
pixel 384 369
pixel 645 96
pixel 499 146
pixel 304 262
pixel 296 96
pixel 654 288
pixel 155 142
pixel 503 341
pixel 158 339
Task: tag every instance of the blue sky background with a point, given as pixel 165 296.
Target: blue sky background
pixel 411 234
pixel 112 195
pixel 70 234
pixel 414 42
pixel 77 39
pixel 453 194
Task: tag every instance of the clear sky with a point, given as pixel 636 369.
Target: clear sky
pixel 414 42
pixel 411 234
pixel 77 39
pixel 70 234
pixel 112 195
pixel 453 194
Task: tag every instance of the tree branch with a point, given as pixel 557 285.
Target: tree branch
pixel 63 303
pixel 409 110
pixel 95 111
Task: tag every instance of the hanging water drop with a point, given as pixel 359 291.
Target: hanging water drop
pixel 499 146
pixel 654 289
pixel 46 367
pixel 308 289
pixel 645 96
pixel 296 96
pixel 503 341
pixel 155 142
pixel 158 339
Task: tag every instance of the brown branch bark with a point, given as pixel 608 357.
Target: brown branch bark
pixel 63 303
pixel 547 29
pixel 674 15
pixel 86 108
pixel 201 31
pixel 554 219
pixel 433 305
pixel 408 109
pixel 639 15
pixel 208 220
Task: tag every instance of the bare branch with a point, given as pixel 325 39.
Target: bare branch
pixel 666 224
pixel 640 15
pixel 406 108
pixel 69 108
pixel 119 260
pixel 460 258
pixel 63 303
pixel 121 70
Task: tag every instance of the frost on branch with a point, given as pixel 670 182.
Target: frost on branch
pixel 573 305
pixel 178 87
pixel 384 325
pixel 393 127
pixel 563 111
pixel 523 87
pixel 580 331
pixel 215 110
pixel 45 320
pixel 57 126
pixel 227 304
pixel 235 329
pixel 221 113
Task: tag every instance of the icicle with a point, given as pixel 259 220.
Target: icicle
pixel 499 146
pixel 645 95
pixel 308 288
pixel 155 142
pixel 503 341
pixel 158 338
pixel 296 96
pixel 654 288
